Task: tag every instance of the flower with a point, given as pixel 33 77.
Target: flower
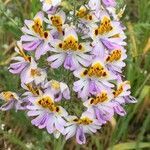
pixel 109 33
pixel 56 21
pixel 92 79
pixel 115 58
pixel 23 60
pixel 79 126
pixel 122 96
pixel 101 106
pixel 33 74
pixel 27 67
pixel 85 15
pixel 46 112
pixel 12 101
pixel 70 52
pixel 59 89
pixel 48 4
pixel 36 38
pixel 122 90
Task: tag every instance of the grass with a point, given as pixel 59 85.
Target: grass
pixel 129 132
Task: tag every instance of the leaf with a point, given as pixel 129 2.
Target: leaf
pixel 130 145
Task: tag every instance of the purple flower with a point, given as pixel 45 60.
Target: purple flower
pixel 36 38
pixel 109 33
pixel 12 101
pixel 46 112
pixel 33 74
pixel 22 61
pixel 56 22
pixel 93 79
pixel 91 46
pixel 101 106
pixel 59 89
pixel 49 4
pixel 70 52
pixel 115 58
pixel 79 126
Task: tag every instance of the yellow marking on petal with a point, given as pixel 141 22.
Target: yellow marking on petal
pixel 84 121
pixel 115 36
pixel 118 91
pixel 105 27
pixel 48 1
pixel 38 28
pixel 22 53
pixel 120 88
pixel 34 91
pixel 35 72
pixel 83 13
pixel 57 22
pixel 8 96
pixel 96 70
pixel 102 97
pixel 55 84
pixel 47 102
pixel 127 82
pixel 71 43
pixel 114 56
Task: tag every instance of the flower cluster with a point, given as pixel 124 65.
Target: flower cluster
pixel 90 43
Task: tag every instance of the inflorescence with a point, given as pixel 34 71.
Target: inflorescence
pixel 90 43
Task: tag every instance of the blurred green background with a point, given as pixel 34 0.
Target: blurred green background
pixel 122 133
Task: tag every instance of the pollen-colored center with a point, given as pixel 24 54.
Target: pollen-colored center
pixel 48 1
pixel 99 98
pixel 33 90
pixel 118 91
pixel 83 121
pixel 105 27
pixel 38 28
pixel 114 56
pixel 55 84
pixel 96 70
pixel 47 102
pixel 70 43
pixel 57 22
pixel 83 13
pixel 8 96
pixel 35 72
